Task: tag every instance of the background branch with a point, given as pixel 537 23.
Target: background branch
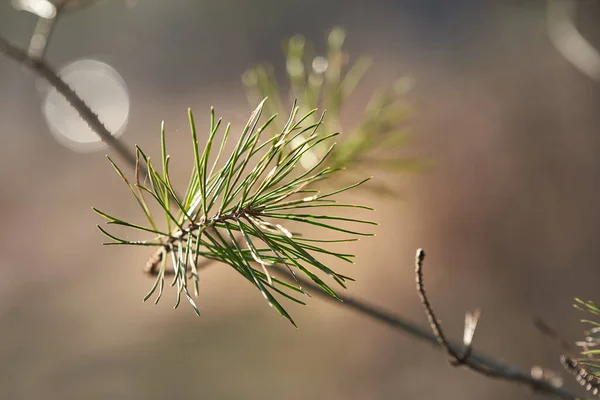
pixel 399 323
pixel 464 355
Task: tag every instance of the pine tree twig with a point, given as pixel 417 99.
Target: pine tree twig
pixel 41 68
pixel 228 198
pixel 463 355
pixel 152 266
pixel 433 321
pixel 470 325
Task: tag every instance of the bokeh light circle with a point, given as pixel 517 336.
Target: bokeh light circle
pixel 102 89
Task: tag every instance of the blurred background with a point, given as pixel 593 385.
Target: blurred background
pixel 509 214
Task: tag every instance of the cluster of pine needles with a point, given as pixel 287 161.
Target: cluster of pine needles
pixel 235 208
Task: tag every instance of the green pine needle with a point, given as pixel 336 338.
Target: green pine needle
pixel 235 211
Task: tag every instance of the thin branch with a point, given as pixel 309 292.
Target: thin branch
pixel 41 68
pixel 436 327
pixel 464 354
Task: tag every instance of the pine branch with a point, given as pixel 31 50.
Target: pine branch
pixel 234 213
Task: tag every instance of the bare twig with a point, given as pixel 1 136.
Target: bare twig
pixel 436 327
pixel 433 321
pixel 464 355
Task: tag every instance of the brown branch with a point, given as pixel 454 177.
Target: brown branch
pixel 436 327
pixel 465 355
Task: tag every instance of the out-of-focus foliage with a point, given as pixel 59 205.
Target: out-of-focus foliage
pixel 232 209
pixel 326 82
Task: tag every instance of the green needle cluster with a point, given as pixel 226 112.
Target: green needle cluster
pixel 236 207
